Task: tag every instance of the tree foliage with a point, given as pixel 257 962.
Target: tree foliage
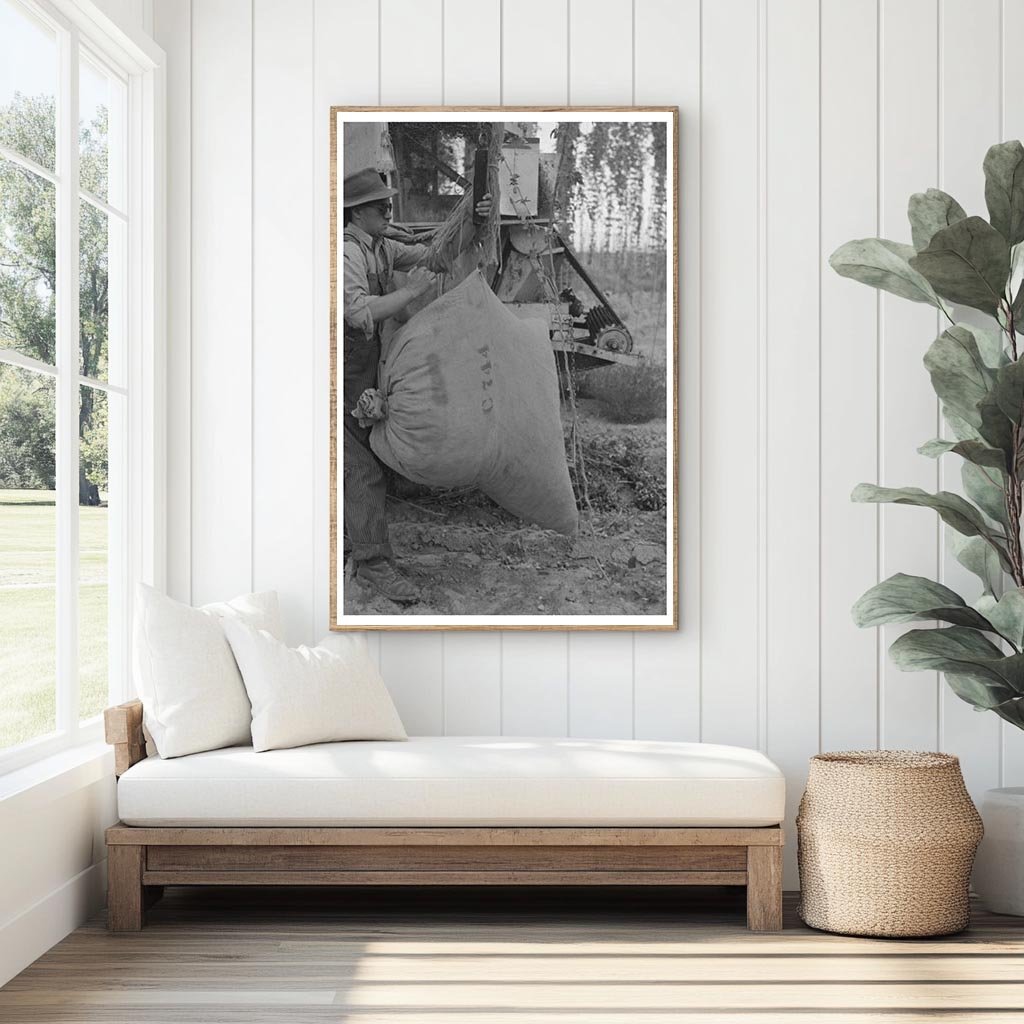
pixel 28 289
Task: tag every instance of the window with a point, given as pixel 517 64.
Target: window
pixel 76 381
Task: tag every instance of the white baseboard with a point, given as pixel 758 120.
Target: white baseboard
pixel 25 938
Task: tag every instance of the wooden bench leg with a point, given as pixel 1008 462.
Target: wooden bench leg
pixel 125 898
pixel 764 888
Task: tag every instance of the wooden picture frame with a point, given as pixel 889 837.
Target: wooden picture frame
pixel 606 573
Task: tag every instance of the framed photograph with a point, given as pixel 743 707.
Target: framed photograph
pixel 504 352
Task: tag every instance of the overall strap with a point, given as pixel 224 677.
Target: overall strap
pixel 385 279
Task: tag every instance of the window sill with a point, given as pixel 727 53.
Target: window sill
pixel 54 776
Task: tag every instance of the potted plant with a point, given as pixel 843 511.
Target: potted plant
pixel 978 374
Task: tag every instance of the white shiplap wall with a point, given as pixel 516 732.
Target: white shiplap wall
pixel 803 123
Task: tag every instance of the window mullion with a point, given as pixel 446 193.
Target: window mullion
pixel 67 386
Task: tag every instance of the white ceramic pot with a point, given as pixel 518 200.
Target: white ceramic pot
pixel 998 877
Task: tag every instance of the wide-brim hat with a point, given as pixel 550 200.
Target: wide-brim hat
pixel 365 186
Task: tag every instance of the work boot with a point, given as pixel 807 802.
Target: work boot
pixel 383 577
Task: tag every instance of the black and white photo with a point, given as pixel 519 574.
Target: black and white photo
pixel 503 361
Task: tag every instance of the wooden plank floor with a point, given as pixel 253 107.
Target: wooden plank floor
pixel 609 956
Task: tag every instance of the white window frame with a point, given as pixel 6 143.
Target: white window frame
pixel 141 64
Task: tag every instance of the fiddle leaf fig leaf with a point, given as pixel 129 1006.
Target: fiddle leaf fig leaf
pixel 976 555
pixel 1009 390
pixel 985 487
pixel 980 692
pixel 1013 285
pixel 967 263
pixel 973 451
pixel 990 345
pixel 958 372
pixel 964 652
pixel 903 598
pixel 962 430
pixel 1004 189
pixel 1017 309
pixel 883 264
pixel 952 509
pixel 929 212
pixel 996 428
pixel 1006 614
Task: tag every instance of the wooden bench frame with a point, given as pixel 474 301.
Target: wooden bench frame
pixel 142 860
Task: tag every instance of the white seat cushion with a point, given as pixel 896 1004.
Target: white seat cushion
pixel 459 780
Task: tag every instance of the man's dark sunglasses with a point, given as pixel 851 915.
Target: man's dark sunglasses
pixel 384 207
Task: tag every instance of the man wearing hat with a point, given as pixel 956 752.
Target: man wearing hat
pixel 369 263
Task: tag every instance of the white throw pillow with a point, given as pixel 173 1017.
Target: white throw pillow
pixel 310 694
pixel 191 690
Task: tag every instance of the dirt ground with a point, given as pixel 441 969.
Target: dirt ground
pixel 468 556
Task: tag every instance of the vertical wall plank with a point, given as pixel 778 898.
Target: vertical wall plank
pixel 283 303
pixel 414 674
pixel 729 384
pixel 534 61
pixel 601 685
pixel 411 70
pixel 221 528
pixel 472 52
pixel 601 665
pixel 412 73
pixel 472 684
pixel 1012 127
pixel 666 669
pixel 909 415
pixel 172 29
pixel 849 373
pixel 472 74
pixel 353 81
pixel 969 124
pixel 792 385
pixel 535 684
pixel 601 52
pixel 534 53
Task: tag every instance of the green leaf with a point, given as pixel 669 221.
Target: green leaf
pixel 976 555
pixel 932 211
pixel 962 430
pixel 1016 309
pixel 953 509
pixel 973 451
pixel 986 488
pixel 1009 390
pixel 967 263
pixel 964 652
pixel 883 264
pixel 903 598
pixel 1006 614
pixel 990 345
pixel 958 372
pixel 996 428
pixel 980 692
pixel 1004 189
pixel 1013 285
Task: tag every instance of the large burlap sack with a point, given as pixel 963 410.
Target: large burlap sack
pixel 471 395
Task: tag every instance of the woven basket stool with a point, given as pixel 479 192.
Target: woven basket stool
pixel 885 844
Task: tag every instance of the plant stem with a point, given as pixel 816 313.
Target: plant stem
pixel 1013 483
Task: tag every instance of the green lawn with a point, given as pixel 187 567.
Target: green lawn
pixel 28 617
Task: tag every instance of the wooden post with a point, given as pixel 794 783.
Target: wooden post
pixel 764 888
pixel 124 888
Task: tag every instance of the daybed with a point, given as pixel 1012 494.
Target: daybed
pixel 449 810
